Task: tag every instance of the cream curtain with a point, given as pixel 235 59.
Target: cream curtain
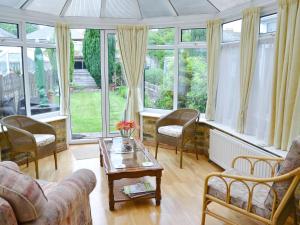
pixel 213 51
pixel 249 36
pixel 133 46
pixel 63 60
pixel 285 111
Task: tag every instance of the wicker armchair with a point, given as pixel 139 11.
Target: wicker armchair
pixel 268 200
pixel 176 129
pixel 27 135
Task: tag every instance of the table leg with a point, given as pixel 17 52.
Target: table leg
pixel 101 158
pixel 158 192
pixel 111 194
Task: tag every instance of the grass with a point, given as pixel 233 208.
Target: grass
pixel 86 114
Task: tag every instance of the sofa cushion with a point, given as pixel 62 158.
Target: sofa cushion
pixel 171 130
pixel 239 193
pixel 22 192
pixel 291 162
pixel 44 139
pixel 7 215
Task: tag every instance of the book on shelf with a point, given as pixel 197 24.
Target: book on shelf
pixel 138 189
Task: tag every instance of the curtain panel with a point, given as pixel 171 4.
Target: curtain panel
pixel 285 111
pixel 249 36
pixel 133 46
pixel 63 61
pixel 213 51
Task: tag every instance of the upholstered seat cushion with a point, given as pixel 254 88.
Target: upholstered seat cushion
pixel 44 139
pixel 7 215
pixel 239 193
pixel 22 192
pixel 171 130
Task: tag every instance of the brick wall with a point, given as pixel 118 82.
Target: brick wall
pixel 61 132
pixel 202 135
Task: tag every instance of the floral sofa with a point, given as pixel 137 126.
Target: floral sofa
pixel 25 201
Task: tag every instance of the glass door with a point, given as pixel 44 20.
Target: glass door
pixel 85 84
pixel 116 83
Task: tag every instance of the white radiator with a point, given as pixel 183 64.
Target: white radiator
pixel 223 148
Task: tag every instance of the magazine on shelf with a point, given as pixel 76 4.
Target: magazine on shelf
pixel 138 189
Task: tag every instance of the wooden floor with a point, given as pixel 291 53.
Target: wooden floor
pixel 181 191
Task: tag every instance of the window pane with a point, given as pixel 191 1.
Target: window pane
pixel 232 31
pixel 193 35
pixel 40 33
pixel 268 24
pixel 159 76
pixel 12 99
pixel 9 30
pixel 43 80
pixel 164 36
pixel 192 79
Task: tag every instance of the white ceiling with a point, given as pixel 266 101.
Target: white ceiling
pixel 124 9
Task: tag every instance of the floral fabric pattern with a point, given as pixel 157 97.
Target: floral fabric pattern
pixel 7 215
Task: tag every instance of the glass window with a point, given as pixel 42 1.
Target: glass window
pixel 268 24
pixel 193 35
pixel 159 78
pixel 9 30
pixel 232 31
pixel 40 33
pixel 12 99
pixel 192 84
pixel 163 36
pixel 43 80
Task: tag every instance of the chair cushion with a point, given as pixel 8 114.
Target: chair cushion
pixel 44 139
pixel 291 162
pixel 239 193
pixel 7 215
pixel 171 130
pixel 22 192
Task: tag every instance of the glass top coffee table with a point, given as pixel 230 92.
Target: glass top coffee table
pixel 128 166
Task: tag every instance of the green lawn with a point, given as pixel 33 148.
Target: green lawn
pixel 86 111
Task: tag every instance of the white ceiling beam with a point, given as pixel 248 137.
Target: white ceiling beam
pixel 65 7
pixel 25 4
pixel 140 11
pixel 213 5
pixel 103 8
pixel 175 13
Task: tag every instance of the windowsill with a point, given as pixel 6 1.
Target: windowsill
pixel 45 120
pixel 243 137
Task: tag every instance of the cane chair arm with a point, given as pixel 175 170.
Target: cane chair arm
pixel 272 162
pixel 230 179
pixel 189 127
pixel 39 127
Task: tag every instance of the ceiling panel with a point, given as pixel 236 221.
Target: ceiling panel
pixel 156 8
pixel 47 6
pixel 225 4
pixel 90 8
pixel 193 7
pixel 11 3
pixel 122 9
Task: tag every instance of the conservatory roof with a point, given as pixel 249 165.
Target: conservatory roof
pixel 125 9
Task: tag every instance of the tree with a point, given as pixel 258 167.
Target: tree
pixel 72 61
pixel 40 76
pixel 91 54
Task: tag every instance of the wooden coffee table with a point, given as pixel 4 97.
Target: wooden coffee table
pixel 133 171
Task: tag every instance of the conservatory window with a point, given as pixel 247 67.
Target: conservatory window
pixel 268 24
pixel 43 80
pixel 40 33
pixel 12 95
pixel 193 35
pixel 159 79
pixel 9 30
pixel 161 36
pixel 192 84
pixel 232 31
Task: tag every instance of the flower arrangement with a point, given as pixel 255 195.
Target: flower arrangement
pixel 126 128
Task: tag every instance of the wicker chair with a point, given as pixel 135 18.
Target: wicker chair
pixel 268 200
pixel 176 129
pixel 27 135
